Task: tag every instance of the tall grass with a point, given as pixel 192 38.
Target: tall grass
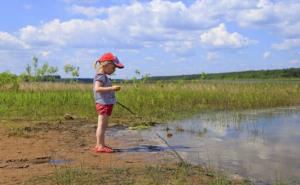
pixel 153 102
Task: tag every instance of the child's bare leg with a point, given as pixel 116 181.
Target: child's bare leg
pixel 100 133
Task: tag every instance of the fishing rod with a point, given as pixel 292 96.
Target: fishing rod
pixel 125 107
pixel 161 138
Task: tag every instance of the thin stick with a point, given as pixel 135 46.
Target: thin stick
pixel 174 151
pixel 125 107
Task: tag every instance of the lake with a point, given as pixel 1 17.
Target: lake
pixel 260 145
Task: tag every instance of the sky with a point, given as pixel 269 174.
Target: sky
pixel 156 37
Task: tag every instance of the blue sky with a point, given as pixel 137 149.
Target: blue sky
pixel 157 37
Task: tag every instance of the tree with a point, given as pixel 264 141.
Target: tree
pixel 69 68
pixel 35 61
pixel 145 77
pixel 28 71
pixel 35 73
pixel 137 72
pixel 75 72
pixel 203 76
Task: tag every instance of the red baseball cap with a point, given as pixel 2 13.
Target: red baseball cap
pixel 110 57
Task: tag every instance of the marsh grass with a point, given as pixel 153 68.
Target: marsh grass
pixel 156 102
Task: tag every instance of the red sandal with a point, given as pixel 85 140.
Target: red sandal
pixel 104 149
pixel 108 147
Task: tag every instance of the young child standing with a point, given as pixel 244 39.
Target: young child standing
pixel 104 94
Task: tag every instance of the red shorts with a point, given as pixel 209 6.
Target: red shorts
pixel 104 109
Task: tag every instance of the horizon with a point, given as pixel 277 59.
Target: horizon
pixel 158 37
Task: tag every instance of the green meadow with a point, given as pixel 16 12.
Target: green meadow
pixel 152 102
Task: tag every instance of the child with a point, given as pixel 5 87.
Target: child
pixel 104 94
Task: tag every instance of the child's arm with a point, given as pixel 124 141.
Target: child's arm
pixel 99 87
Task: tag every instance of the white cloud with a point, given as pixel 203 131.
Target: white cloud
pixel 8 41
pixel 180 47
pixel 75 33
pixel 163 23
pixel 267 55
pixel 170 26
pixel 287 44
pixel 220 37
pixel 167 24
pixel 282 17
pixel 78 1
pixel 87 11
pixel 263 13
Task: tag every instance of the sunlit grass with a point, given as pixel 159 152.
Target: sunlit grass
pixel 144 175
pixel 153 102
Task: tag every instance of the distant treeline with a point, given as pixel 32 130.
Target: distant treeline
pixel 8 78
pixel 259 74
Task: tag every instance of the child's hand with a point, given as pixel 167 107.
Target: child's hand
pixel 116 88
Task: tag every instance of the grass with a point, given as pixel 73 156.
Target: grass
pixel 156 102
pixel 146 175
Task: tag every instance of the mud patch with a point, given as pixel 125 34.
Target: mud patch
pixel 54 145
pixel 23 163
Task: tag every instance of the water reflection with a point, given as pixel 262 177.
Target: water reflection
pixel 262 145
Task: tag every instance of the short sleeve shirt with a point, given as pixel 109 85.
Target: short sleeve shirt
pixel 103 98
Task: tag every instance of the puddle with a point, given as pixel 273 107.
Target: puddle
pixel 60 161
pixel 151 148
pixel 261 145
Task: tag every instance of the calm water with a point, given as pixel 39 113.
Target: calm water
pixel 261 145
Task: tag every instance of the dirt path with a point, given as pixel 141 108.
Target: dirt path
pixel 46 146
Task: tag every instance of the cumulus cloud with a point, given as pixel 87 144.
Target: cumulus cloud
pixel 8 41
pixel 278 15
pixel 79 1
pixel 220 37
pixel 287 44
pixel 172 26
pixel 163 23
pixel 261 14
pixel 87 11
pixel 78 33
